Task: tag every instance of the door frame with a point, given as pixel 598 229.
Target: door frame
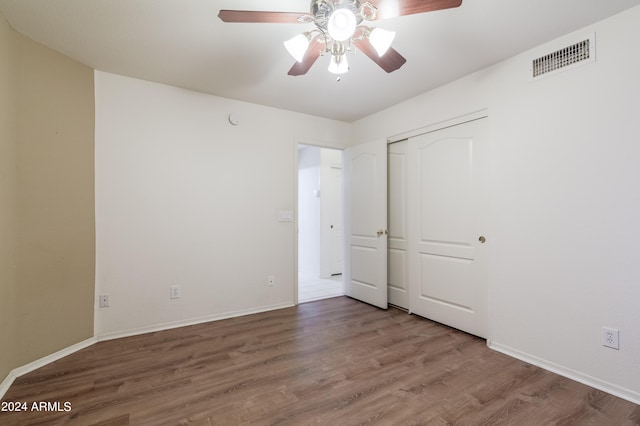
pixel 296 147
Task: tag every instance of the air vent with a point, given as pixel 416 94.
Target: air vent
pixel 577 54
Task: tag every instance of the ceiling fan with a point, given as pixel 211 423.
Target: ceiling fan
pixel 338 26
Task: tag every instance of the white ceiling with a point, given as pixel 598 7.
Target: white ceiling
pixel 183 43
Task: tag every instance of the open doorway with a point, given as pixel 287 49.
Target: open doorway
pixel 319 223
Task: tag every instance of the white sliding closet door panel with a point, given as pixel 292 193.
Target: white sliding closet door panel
pixel 447 266
pixel 397 243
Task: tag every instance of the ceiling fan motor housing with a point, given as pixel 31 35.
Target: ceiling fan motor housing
pixel 321 10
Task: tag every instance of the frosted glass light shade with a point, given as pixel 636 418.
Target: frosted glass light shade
pixel 342 24
pixel 297 46
pixel 381 40
pixel 338 67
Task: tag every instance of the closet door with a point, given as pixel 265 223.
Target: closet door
pixel 398 242
pixel 447 268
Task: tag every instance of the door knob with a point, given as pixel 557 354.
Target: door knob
pixel 482 239
pixel 381 232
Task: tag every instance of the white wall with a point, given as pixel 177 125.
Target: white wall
pixel 308 212
pixel 564 201
pixel 185 198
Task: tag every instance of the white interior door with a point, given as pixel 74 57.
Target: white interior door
pixel 398 242
pixel 365 223
pixel 331 244
pixel 447 263
pixel 336 220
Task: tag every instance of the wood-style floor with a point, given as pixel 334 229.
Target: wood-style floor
pixel 332 362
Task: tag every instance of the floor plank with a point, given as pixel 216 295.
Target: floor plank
pixel 334 361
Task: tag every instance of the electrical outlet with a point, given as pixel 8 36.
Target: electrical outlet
pixel 104 300
pixel 611 338
pixel 271 280
pixel 174 292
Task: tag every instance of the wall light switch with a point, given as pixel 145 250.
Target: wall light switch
pixel 104 300
pixel 174 292
pixel 285 216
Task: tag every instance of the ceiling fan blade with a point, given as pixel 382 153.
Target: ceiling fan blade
pixel 392 8
pixel 255 16
pixel 315 49
pixel 389 62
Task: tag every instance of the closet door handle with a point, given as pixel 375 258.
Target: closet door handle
pixel 482 239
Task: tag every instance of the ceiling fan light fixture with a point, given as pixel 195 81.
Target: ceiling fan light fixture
pixel 338 64
pixel 297 46
pixel 339 22
pixel 381 40
pixel 341 25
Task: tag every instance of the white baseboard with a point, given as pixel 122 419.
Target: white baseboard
pixel 586 379
pixel 20 371
pixel 191 321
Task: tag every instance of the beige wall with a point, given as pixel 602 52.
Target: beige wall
pixel 7 198
pixel 50 146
